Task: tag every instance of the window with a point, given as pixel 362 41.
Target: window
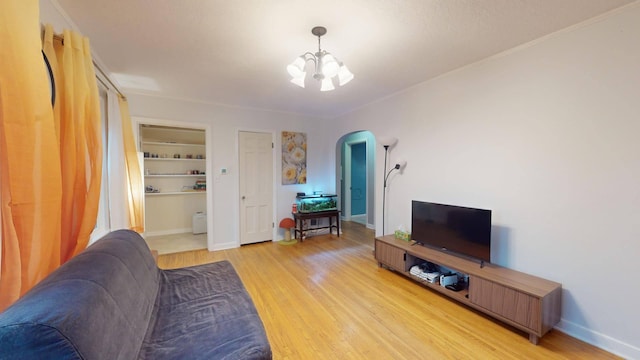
pixel 102 222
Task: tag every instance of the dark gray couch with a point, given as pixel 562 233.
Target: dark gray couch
pixel 112 302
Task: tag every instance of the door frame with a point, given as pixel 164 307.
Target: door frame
pixel 346 168
pixel 273 180
pixel 208 136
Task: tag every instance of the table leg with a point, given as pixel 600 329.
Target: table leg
pixel 300 231
pixel 297 230
pixel 330 225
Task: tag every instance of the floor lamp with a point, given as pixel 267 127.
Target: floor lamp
pixel 386 142
pixel 397 166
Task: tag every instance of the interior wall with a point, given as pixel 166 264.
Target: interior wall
pixel 50 13
pixel 546 136
pixel 225 124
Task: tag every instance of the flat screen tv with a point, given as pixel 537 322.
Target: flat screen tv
pixel 461 230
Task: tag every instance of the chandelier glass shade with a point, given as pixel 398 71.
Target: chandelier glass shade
pixel 326 66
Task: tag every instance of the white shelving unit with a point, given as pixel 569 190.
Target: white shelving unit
pixel 177 193
pixel 171 175
pixel 175 178
pixel 172 143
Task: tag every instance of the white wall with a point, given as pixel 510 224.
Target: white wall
pixel 49 13
pixel 226 122
pixel 547 137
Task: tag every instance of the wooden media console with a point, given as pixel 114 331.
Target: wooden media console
pixel 527 302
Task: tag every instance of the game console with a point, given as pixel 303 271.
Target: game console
pixel 426 274
pixel 448 279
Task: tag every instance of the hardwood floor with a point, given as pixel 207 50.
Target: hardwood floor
pixel 326 298
pixel 173 243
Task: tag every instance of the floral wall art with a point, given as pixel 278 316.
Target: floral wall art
pixel 294 158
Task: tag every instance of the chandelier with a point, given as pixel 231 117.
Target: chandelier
pixel 326 66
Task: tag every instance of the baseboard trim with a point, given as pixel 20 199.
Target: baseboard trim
pixel 360 218
pixel 598 339
pixel 225 246
pixel 167 232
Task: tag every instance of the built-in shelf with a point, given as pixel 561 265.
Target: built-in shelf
pixel 170 143
pixel 175 175
pixel 171 159
pixel 176 193
pixel 179 181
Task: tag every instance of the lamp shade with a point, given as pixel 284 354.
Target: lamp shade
pixel 330 66
pixel 296 68
pixel 327 85
pixel 387 141
pixel 344 74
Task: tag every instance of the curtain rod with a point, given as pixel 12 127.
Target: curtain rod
pixel 97 67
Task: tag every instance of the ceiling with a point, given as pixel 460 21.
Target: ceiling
pixel 236 52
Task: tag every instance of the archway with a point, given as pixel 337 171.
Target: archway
pixel 355 177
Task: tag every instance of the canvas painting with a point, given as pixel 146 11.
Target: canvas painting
pixel 294 158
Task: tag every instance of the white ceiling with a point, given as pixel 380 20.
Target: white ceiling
pixel 235 52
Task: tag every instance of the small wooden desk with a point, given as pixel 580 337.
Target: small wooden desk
pixel 300 217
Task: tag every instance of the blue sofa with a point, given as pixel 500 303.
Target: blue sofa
pixel 112 302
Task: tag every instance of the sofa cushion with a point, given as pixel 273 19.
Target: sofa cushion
pixel 204 312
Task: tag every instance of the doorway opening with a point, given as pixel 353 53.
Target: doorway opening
pixel 177 185
pixel 355 180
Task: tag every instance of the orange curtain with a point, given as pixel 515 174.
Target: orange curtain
pixel 29 156
pixel 135 184
pixel 80 143
pixel 51 157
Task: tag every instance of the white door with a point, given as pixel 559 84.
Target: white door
pixel 256 187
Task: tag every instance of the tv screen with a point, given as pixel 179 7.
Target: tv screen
pixel 461 230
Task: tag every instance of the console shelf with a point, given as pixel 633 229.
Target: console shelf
pixel 527 302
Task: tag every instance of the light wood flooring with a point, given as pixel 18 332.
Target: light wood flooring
pixel 167 244
pixel 326 298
